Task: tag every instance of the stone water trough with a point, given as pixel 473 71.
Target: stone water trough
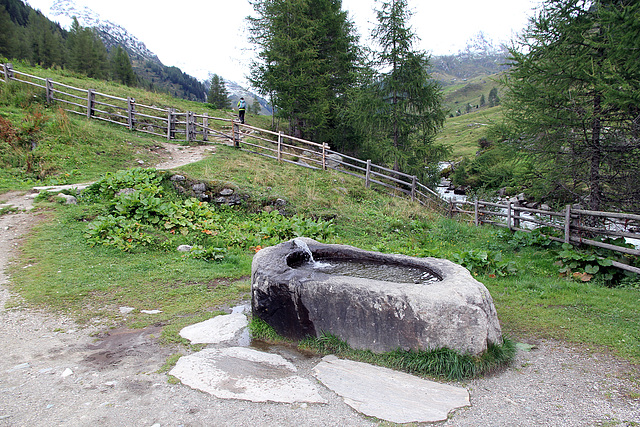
pixel 379 302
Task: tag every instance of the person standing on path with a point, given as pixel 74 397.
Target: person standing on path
pixel 242 106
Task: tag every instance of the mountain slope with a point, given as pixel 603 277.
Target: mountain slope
pixel 153 74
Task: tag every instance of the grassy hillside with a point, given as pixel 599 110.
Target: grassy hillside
pixel 463 129
pixel 90 283
pixel 462 133
pixel 90 147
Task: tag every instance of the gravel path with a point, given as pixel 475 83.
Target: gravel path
pixel 54 373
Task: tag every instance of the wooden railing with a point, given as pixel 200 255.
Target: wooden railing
pixel 191 127
pixel 575 226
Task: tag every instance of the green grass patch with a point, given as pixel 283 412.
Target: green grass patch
pixel 440 363
pixel 462 133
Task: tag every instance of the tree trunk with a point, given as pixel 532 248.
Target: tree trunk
pixel 595 196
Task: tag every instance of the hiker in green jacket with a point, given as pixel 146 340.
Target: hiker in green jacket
pixel 242 106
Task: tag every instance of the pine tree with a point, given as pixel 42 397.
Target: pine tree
pixel 44 40
pixel 218 95
pixel 87 53
pixel 573 101
pixel 493 97
pixel 7 33
pixel 305 59
pixel 401 107
pixel 122 71
pixel 255 107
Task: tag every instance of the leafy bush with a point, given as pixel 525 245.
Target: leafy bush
pixel 487 262
pixel 585 265
pixel 113 182
pixel 208 254
pixel 520 239
pixel 211 228
pixel 120 232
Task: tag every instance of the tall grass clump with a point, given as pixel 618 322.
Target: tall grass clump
pixel 439 363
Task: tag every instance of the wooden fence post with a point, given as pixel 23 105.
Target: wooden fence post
pixel 91 96
pixel 236 135
pixel 476 218
pixel 509 216
pixel 516 214
pixel 131 111
pixel 8 72
pixel 205 127
pixel 171 124
pixel 324 156
pixel 367 176
pixel 188 126
pixel 49 91
pixel 567 224
pixel 280 146
pixel 413 188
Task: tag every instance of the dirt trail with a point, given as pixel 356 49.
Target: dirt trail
pixel 55 373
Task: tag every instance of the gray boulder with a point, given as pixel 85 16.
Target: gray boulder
pixel 456 312
pixel 199 188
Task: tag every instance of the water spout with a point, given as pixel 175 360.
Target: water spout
pixel 305 248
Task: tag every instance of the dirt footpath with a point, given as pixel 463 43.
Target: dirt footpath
pixel 54 373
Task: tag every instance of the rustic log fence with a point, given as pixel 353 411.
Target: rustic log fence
pixel 575 226
pixel 191 127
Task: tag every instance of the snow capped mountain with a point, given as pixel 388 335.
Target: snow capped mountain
pixel 112 34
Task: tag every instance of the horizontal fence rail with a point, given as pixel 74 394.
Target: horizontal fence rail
pixel 191 127
pixel 575 226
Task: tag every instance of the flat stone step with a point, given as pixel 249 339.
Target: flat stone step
pixel 387 394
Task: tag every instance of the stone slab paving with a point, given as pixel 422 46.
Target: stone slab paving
pixel 247 374
pixel 244 373
pixel 215 330
pixel 389 395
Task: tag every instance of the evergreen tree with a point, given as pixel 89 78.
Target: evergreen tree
pixel 7 33
pixel 122 71
pixel 255 107
pixel 493 97
pixel 218 95
pixel 483 101
pixel 401 108
pixel 305 60
pixel 573 101
pixel 45 42
pixel 87 53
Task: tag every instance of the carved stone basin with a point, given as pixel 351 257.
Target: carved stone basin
pixel 444 306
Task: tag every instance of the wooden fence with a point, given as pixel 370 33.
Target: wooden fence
pixel 191 127
pixel 575 226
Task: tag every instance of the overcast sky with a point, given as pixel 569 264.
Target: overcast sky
pixel 210 36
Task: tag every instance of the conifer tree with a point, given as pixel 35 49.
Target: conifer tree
pixel 401 107
pixel 573 101
pixel 493 97
pixel 7 33
pixel 255 106
pixel 87 53
pixel 218 95
pixel 121 67
pixel 44 42
pixel 306 53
